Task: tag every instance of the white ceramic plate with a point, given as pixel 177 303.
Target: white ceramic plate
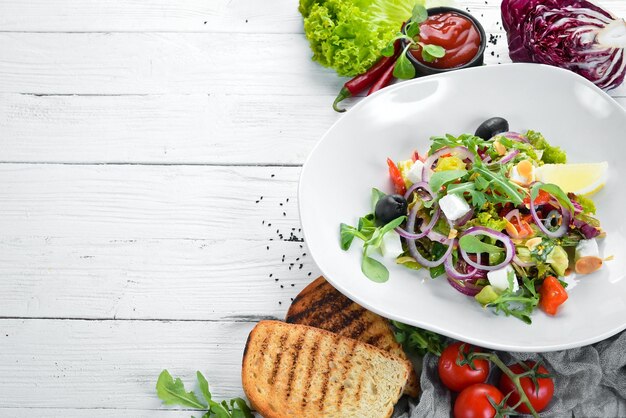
pixel 351 159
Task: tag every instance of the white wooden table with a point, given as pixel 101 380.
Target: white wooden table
pixel 149 157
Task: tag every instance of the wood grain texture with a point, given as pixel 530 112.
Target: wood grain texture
pixel 191 279
pixel 251 16
pixel 156 63
pixel 113 364
pixel 25 412
pixel 169 129
pixel 160 63
pixel 148 201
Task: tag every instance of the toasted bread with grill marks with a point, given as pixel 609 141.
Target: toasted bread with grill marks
pixel 298 371
pixel 322 306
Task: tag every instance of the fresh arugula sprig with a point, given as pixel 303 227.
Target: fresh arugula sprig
pixel 403 68
pixel 372 237
pixel 519 304
pixel 417 340
pixel 173 392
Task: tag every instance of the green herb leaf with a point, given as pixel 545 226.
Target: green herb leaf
pixel 377 238
pixel 499 182
pixel 435 272
pixel 412 29
pixel 472 244
pixel 435 51
pixel 388 50
pixel 403 68
pixel 376 196
pixel 373 269
pixel 439 178
pixel 408 262
pixel 347 234
pixel 419 13
pixel 417 340
pixel 240 408
pixel 172 392
pixel 555 191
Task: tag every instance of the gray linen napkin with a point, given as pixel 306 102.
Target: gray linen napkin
pixel 591 382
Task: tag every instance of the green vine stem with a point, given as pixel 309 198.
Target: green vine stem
pixel 515 378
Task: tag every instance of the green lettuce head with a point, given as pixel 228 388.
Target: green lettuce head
pixel 348 35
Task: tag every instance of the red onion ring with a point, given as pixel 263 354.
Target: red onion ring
pixel 410 234
pixel 560 231
pixel 436 236
pixel 423 260
pixel 453 273
pixel 513 214
pixel 468 287
pixel 459 151
pixel 521 263
pixel 512 135
pixel 421 185
pixel 508 246
pixel 508 157
pixel 465 218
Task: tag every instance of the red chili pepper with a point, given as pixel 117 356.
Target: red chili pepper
pixel 396 177
pixel 363 81
pixel 383 81
pixel 552 295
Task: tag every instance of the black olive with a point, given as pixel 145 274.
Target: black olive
pixel 491 127
pixel 389 208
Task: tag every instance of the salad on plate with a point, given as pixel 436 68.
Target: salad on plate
pixel 500 215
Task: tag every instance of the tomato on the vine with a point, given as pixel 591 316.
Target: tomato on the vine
pixel 539 396
pixel 474 401
pixel 456 377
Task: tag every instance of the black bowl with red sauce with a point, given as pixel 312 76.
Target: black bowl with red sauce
pixel 458 32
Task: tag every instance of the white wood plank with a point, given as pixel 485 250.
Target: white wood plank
pixel 196 128
pixel 252 16
pixel 151 63
pixel 175 279
pixel 141 63
pixel 113 364
pixel 27 412
pixel 140 201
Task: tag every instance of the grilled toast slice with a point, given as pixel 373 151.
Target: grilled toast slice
pixel 304 372
pixel 322 306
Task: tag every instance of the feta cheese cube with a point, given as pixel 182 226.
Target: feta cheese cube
pixel 499 279
pixel 453 206
pixel 587 248
pixel 415 172
pixel 391 246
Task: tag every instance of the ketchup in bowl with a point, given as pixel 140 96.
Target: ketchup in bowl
pixel 459 33
pixel 455 33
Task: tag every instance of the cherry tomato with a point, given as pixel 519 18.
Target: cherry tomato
pixel 539 396
pixel 551 295
pixel 541 199
pixel 456 377
pixel 396 177
pixel 473 402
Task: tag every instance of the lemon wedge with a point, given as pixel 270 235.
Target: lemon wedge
pixel 585 179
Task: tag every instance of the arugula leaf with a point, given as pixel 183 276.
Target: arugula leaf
pixel 555 191
pixel 439 178
pixel 500 183
pixel 417 340
pixel 522 146
pixel 472 244
pixel 403 68
pixel 373 269
pixel 437 271
pixel 172 392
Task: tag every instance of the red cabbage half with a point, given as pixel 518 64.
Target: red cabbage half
pixel 572 34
